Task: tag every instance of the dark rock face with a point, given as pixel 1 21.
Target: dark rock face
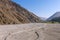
pixel 12 13
pixel 57 19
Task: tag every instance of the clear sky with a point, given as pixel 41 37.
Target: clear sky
pixel 42 8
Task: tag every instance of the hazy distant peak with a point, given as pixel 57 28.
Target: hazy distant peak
pixel 57 14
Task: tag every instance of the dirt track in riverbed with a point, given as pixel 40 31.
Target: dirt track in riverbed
pixel 32 31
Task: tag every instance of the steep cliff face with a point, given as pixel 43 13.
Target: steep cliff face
pixel 12 13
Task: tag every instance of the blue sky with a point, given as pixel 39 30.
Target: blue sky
pixel 42 8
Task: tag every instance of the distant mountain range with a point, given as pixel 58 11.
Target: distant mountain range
pixel 43 18
pixel 12 13
pixel 55 17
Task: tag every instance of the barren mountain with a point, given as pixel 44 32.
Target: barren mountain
pixel 55 17
pixel 12 13
pixel 57 14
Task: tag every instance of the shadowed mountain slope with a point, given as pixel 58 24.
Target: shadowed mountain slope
pixel 57 14
pixel 12 13
pixel 55 17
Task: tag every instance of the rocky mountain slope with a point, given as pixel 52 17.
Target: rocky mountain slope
pixel 12 13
